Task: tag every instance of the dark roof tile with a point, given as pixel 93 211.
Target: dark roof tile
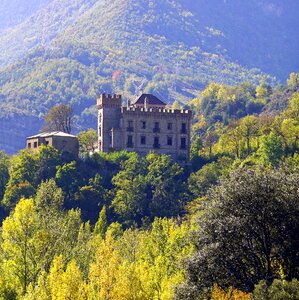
pixel 152 100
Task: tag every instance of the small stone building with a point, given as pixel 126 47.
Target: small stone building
pixel 62 141
pixel 143 126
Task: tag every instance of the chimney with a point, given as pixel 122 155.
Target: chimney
pixel 146 103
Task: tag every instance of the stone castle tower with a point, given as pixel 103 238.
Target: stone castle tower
pixel 144 126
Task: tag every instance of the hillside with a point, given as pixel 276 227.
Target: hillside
pixel 122 226
pixel 17 11
pixel 69 51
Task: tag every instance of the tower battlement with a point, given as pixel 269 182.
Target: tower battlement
pixel 109 100
pixel 156 110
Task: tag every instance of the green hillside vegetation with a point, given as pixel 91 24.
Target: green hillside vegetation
pixel 15 12
pixel 70 52
pixel 130 227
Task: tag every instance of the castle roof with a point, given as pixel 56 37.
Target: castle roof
pixel 152 100
pixel 53 133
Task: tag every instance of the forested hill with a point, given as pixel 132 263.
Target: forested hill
pixel 69 51
pixel 17 11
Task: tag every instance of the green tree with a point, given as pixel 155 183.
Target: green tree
pixel 22 171
pixel 87 141
pixel 244 235
pixel 278 290
pixel 249 130
pixel 101 225
pixel 4 175
pixel 47 160
pixel 90 198
pixel 263 90
pixel 21 245
pixel 271 149
pixel 200 181
pixel 168 191
pixel 131 200
pixel 59 118
pixel 293 81
pixel 68 178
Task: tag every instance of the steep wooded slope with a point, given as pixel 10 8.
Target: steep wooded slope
pixel 69 51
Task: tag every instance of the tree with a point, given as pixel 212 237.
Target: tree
pixel 249 130
pixel 130 202
pixel 248 231
pixel 103 271
pixel 231 140
pixel 59 118
pixel 4 175
pixel 68 178
pixel 101 225
pixel 200 181
pixel 278 290
pixel 231 294
pixel 47 160
pixel 263 90
pixel 87 140
pixel 90 199
pixel 176 105
pixel 293 108
pixel 22 171
pixel 66 284
pixel 293 81
pixel 194 153
pixel 271 149
pixel 167 189
pixel 21 245
pixel 161 252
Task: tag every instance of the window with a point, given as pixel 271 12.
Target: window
pixel 100 131
pixel 169 126
pixel 169 141
pixel 143 124
pixel 130 126
pixel 143 140
pixel 156 127
pixel 35 145
pixel 130 141
pixel 183 128
pixel 47 143
pixel 29 145
pixel 156 142
pixel 183 143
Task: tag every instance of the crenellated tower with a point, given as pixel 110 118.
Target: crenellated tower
pixel 109 115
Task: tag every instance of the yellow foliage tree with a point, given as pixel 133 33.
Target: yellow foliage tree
pixel 21 245
pixel 103 271
pixel 231 294
pixel 68 284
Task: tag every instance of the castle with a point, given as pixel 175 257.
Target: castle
pixel 143 126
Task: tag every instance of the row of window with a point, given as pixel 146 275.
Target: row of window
pixel 35 144
pixel 156 128
pixel 156 144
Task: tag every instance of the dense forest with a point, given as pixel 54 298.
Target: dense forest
pixel 120 226
pixel 54 51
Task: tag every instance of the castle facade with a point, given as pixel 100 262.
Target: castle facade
pixel 143 126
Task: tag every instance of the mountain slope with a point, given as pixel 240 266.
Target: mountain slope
pixel 41 28
pixel 13 12
pixel 69 51
pixel 257 33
